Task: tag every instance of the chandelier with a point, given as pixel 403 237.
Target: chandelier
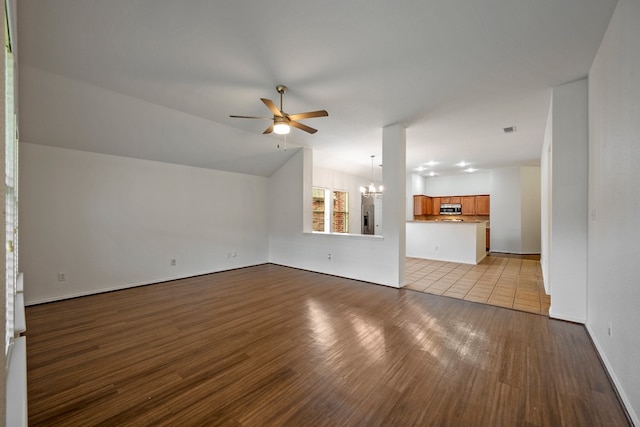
pixel 371 190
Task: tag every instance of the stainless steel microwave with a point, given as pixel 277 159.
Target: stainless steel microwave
pixel 451 209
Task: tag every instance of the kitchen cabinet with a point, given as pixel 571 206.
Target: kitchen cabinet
pixel 468 205
pixel 482 205
pixel 417 205
pixel 435 203
pixel 471 205
pixel 421 205
pixel 487 238
pixel 426 205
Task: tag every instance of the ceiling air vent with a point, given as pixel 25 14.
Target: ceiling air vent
pixel 510 129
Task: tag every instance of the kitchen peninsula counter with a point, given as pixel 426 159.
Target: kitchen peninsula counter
pixel 451 241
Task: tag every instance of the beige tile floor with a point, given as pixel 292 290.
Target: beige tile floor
pixel 502 280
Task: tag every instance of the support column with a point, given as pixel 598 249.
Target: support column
pixel 394 161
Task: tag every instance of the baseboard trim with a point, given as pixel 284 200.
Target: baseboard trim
pixel 513 253
pixel 132 285
pixel 337 275
pixel 556 316
pixel 617 386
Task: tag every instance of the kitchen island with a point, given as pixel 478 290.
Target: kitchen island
pixel 452 241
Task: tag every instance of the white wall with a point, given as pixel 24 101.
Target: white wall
pixel 568 239
pixel 417 184
pixel 458 185
pixel 335 180
pixel 368 258
pixel 530 210
pixel 545 199
pixel 462 242
pixel 506 218
pixel 109 222
pixel 394 153
pixel 613 296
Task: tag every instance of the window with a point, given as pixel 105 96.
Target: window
pixel 319 209
pixel 11 200
pixel 330 217
pixel 340 214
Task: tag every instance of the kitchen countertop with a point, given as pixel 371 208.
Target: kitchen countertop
pixel 449 221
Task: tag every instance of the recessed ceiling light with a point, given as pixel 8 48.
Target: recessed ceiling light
pixel 431 163
pixel 419 168
pixel 470 170
pixel 462 164
pixel 432 173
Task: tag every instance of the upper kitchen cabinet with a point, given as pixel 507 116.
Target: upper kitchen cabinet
pixel 436 201
pixel 417 205
pixel 426 205
pixel 422 205
pixel 468 205
pixel 482 205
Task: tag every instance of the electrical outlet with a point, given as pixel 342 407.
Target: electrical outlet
pixel 234 254
pixel 173 261
pixel 436 247
pixel 610 330
pixel 62 277
pixel 328 256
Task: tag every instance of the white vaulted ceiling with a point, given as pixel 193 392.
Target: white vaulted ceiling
pixel 158 79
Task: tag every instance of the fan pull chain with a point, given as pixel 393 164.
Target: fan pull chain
pixel 285 142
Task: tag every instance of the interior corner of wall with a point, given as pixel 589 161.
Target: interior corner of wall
pixel 307 189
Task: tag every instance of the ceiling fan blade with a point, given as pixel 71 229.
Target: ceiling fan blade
pixel 268 130
pixel 250 117
pixel 271 106
pixel 303 127
pixel 310 114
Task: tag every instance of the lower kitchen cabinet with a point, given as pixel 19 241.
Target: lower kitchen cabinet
pixel 487 238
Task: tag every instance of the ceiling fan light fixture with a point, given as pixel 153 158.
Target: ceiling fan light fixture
pixel 282 121
pixel 281 128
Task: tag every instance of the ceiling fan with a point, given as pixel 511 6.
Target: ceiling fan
pixel 283 121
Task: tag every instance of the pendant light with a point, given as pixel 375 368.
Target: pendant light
pixel 371 191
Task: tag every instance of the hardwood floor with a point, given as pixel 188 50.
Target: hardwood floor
pixel 271 345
